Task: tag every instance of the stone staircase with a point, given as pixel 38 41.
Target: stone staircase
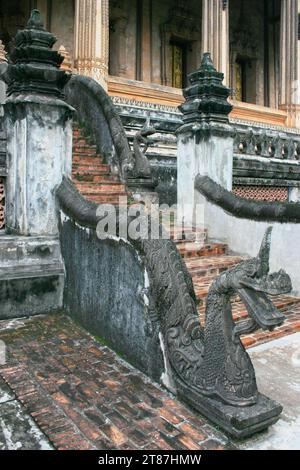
pixel 92 177
pixel 205 259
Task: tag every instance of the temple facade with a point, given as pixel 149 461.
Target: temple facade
pixel 144 49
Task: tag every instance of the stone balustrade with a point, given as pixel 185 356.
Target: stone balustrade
pixel 266 142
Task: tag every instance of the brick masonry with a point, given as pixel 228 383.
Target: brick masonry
pixel 92 177
pixel 83 396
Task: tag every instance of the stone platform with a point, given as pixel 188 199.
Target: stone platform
pixel 83 396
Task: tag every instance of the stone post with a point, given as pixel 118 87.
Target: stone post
pixel 205 141
pixel 289 99
pixel 215 33
pixel 39 132
pixel 91 39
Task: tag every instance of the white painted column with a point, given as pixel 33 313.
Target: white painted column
pixel 92 38
pixel 215 34
pixel 289 99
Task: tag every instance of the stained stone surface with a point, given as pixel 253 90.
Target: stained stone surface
pixel 277 372
pixel 17 429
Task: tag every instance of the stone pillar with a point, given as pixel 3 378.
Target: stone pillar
pixel 215 33
pixel 39 132
pixel 205 141
pixel 289 97
pixel 91 39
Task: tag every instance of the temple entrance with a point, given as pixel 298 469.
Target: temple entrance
pixel 179 61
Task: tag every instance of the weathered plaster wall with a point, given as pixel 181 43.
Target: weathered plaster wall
pixel 205 155
pixel 107 290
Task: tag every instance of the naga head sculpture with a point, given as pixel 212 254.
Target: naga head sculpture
pixel 214 363
pixel 253 282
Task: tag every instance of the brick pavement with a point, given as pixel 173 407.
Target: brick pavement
pixel 83 396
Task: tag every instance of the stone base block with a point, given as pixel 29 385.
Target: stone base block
pixel 238 422
pixel 31 276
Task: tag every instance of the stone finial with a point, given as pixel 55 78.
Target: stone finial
pixel 206 97
pixel 2 53
pixel 35 21
pixel 67 62
pixel 34 65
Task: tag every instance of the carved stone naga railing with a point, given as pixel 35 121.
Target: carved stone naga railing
pixel 208 366
pixel 96 111
pixel 266 142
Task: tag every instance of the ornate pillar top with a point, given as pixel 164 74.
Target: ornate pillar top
pixel 206 97
pixel 34 66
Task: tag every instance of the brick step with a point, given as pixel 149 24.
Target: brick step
pixel 188 235
pixel 192 249
pixel 82 153
pixel 82 144
pixel 106 198
pixel 94 189
pixel 96 178
pixel 202 285
pixel 213 265
pixel 87 158
pixel 239 311
pixel 79 134
pixel 87 168
pixel 290 326
pixel 290 306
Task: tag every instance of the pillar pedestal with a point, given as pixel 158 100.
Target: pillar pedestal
pixel 38 127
